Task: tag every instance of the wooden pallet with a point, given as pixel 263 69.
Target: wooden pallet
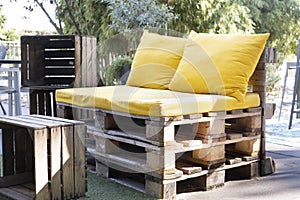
pixel 193 177
pixel 189 150
pixel 40 151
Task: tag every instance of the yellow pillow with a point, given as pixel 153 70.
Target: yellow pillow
pixel 218 63
pixel 156 60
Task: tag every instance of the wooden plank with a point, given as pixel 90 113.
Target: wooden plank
pixel 67 162
pixel 91 62
pixel 19 122
pixel 20 148
pixel 59 62
pixel 80 179
pixel 60 71
pixel 41 164
pixel 55 166
pixel 188 168
pixel 23 190
pixel 48 101
pixel 16 179
pixel 232 136
pixel 94 62
pixel 60 43
pixel 84 62
pixel 36 65
pixel 8 151
pixel 33 101
pixel 233 161
pixel 29 155
pixel 24 61
pixel 13 194
pixel 78 56
pixel 57 80
pixel 54 105
pixel 60 53
pixel 41 103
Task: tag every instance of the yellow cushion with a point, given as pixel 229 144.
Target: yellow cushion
pixel 151 102
pixel 156 60
pixel 218 64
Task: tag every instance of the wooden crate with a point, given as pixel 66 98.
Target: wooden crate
pixel 59 60
pixel 53 62
pixel 43 158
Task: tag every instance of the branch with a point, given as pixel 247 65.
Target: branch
pixel 72 17
pixel 58 15
pixel 58 29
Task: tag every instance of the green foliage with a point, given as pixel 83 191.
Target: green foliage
pixel 114 70
pixel 280 18
pixel 9 35
pixel 2 19
pixel 133 14
pixel 91 16
pixel 216 16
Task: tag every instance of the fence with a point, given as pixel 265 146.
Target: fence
pixel 13 50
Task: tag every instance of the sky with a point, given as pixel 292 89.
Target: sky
pixel 15 12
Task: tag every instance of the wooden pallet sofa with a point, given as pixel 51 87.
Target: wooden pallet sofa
pixel 185 119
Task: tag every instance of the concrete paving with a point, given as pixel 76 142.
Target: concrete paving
pixel 283 184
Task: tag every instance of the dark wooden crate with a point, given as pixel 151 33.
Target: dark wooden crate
pixel 43 158
pixel 59 60
pixel 53 62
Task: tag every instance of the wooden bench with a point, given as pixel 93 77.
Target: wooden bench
pixel 164 156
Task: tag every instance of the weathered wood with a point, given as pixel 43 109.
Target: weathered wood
pixel 55 162
pixel 42 151
pixel 80 180
pixel 67 162
pixel 232 136
pixel 188 168
pixel 212 180
pixel 41 164
pixel 210 154
pixel 250 147
pixel 17 195
pixel 157 189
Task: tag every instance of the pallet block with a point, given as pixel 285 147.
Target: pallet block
pixel 45 157
pixel 250 147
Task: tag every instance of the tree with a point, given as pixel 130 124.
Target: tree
pixel 280 18
pixel 216 16
pixel 90 16
pixel 132 14
pixel 2 19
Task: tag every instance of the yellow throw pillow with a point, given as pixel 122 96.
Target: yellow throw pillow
pixel 156 60
pixel 218 63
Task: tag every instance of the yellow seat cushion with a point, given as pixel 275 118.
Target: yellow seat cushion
pixel 151 102
pixel 218 64
pixel 156 60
